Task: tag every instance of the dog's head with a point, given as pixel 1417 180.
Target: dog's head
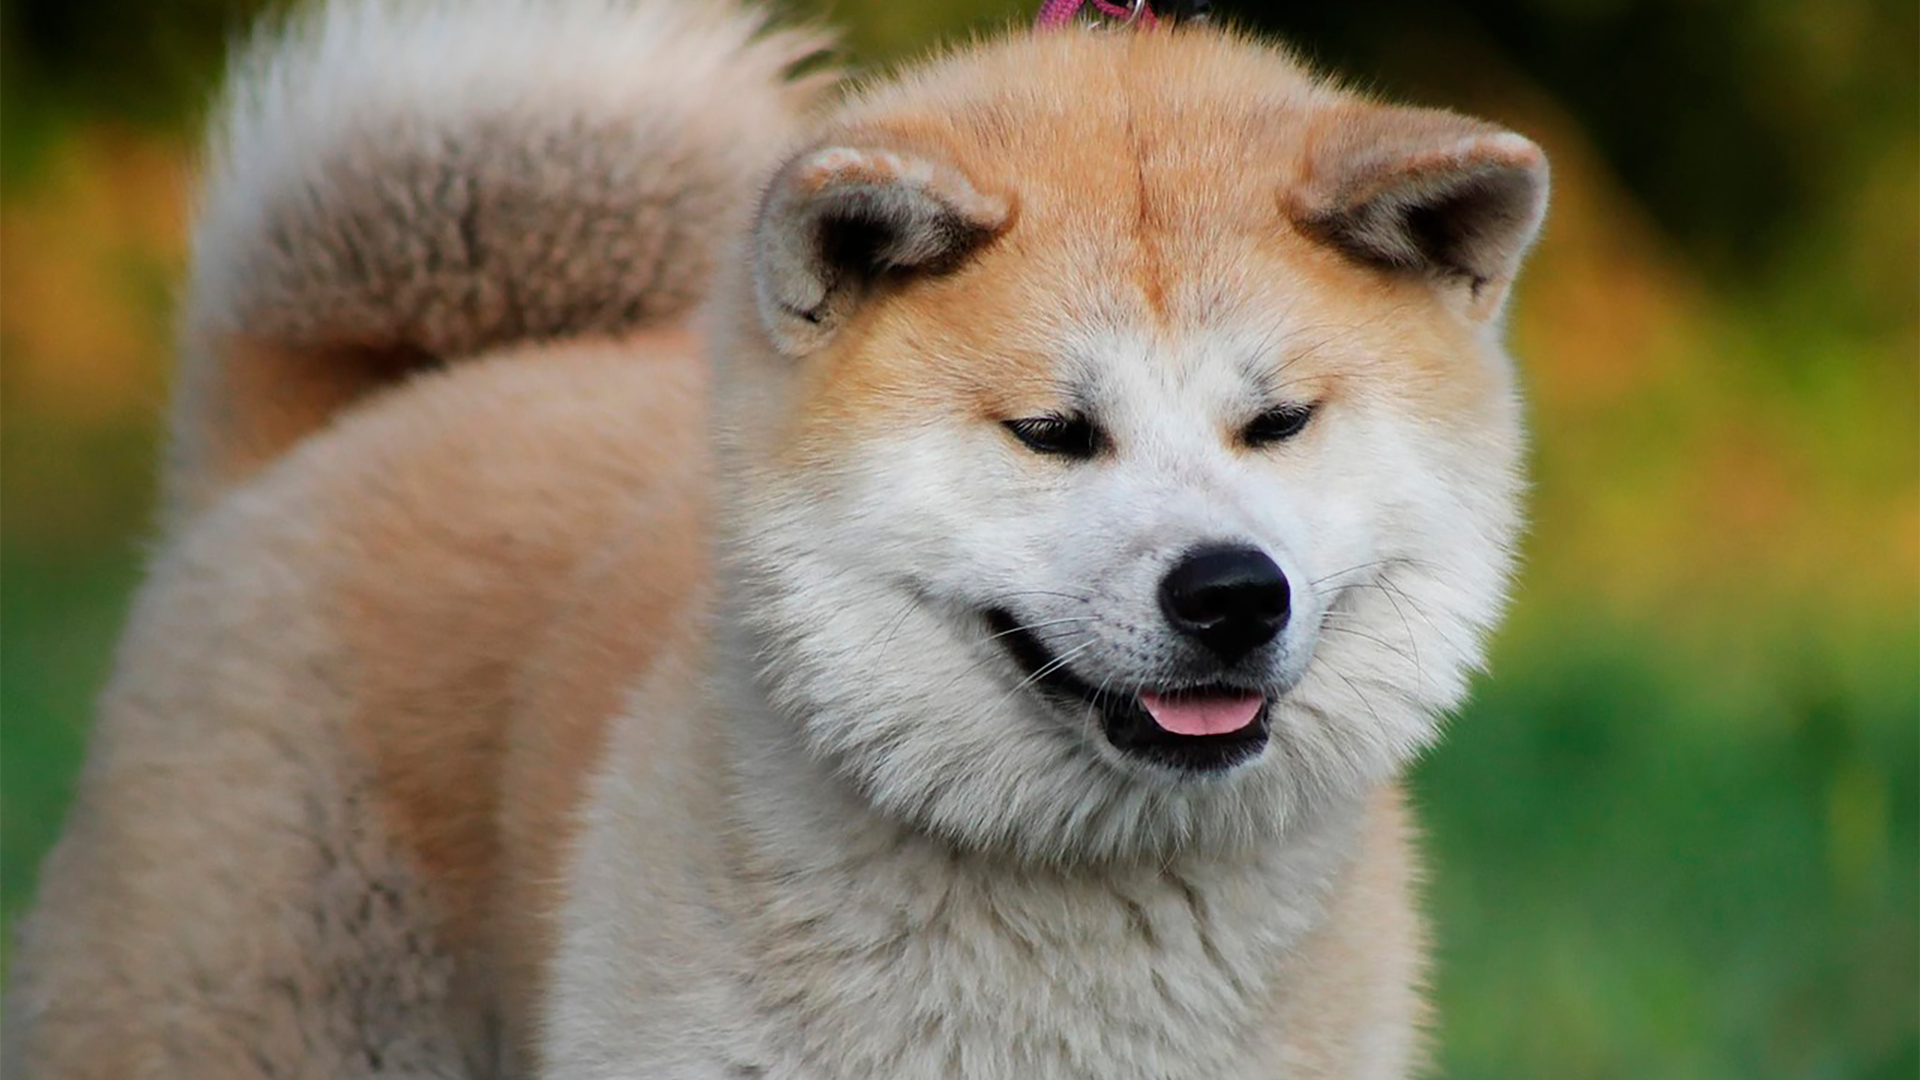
pixel 1120 449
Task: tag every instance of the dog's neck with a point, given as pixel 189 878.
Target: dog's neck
pixel 874 943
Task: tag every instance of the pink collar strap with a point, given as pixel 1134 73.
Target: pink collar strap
pixel 1057 13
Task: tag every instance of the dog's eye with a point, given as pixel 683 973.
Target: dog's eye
pixel 1277 425
pixel 1061 436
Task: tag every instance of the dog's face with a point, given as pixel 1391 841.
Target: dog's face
pixel 1100 495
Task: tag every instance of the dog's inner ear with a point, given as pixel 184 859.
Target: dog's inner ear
pixel 837 221
pixel 1425 191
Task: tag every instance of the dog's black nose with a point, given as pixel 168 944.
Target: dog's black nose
pixel 1230 599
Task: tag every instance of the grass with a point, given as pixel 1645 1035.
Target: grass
pixel 1641 872
pixel 58 620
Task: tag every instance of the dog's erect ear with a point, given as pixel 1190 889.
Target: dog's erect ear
pixel 1426 191
pixel 836 220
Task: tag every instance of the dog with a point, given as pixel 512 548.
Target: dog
pixel 676 569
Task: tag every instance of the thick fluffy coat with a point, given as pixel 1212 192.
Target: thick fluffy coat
pixel 454 733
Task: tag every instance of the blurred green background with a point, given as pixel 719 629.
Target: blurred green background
pixel 1675 834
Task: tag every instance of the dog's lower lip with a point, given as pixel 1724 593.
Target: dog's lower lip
pixel 1130 724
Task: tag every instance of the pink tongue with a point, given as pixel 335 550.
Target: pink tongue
pixel 1202 715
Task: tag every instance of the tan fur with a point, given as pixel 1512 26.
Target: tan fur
pixel 412 629
pixel 1363 971
pixel 380 198
pixel 479 750
pixel 429 550
pixel 1123 179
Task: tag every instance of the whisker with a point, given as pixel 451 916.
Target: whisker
pixel 1413 642
pixel 1076 597
pixel 1055 664
pixel 1385 583
pixel 1341 573
pixel 995 655
pixel 1035 626
pixel 1383 643
pixel 1356 693
pixel 1044 670
pixel 890 629
pixel 1100 694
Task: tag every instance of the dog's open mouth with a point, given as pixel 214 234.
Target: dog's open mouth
pixel 1203 728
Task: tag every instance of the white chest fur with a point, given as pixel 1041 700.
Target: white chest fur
pixel 798 937
pixel 922 964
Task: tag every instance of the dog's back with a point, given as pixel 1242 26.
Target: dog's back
pixel 434 360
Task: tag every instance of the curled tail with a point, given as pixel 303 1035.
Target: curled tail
pixel 397 184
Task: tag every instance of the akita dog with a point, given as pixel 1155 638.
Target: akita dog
pixel 668 576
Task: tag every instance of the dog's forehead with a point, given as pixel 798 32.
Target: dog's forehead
pixel 1142 367
pixel 1148 246
pixel 1065 101
pixel 1061 319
